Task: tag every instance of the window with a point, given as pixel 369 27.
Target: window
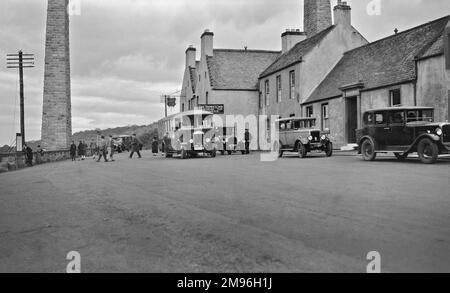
pixel 292 84
pixel 395 98
pixel 397 117
pixel 278 88
pixel 325 117
pixel 182 107
pixel 267 93
pixel 207 98
pixel 380 118
pixel 197 102
pixel 368 118
pixel 309 111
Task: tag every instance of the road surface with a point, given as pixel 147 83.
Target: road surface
pixel 228 214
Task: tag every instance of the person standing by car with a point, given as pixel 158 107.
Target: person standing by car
pixel 155 146
pixel 135 146
pixel 39 155
pixel 247 139
pixel 102 149
pixel 73 151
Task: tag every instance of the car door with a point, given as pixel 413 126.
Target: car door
pixel 283 134
pixel 380 129
pixel 398 134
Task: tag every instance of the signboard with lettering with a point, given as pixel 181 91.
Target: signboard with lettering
pixel 216 109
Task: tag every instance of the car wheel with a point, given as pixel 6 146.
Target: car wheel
pixel 169 155
pixel 184 154
pixel 230 153
pixel 329 149
pixel 222 153
pixel 401 156
pixel 301 151
pixel 428 151
pixel 368 150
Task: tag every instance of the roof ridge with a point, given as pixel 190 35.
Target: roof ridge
pixel 247 51
pixel 400 33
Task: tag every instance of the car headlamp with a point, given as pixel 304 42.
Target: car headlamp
pixel 310 137
pixel 439 131
pixel 191 141
pixel 324 137
pixel 208 140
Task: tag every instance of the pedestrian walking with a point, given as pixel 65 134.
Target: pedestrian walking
pixel 248 138
pixel 81 150
pixel 155 146
pixel 102 150
pixel 73 151
pixel 111 148
pixel 135 146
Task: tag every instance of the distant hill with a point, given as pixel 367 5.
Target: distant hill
pixel 144 132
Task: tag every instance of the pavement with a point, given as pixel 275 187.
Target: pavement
pixel 227 214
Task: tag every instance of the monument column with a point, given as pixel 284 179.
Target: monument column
pixel 56 116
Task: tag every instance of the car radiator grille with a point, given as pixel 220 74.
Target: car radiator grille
pixel 446 133
pixel 316 136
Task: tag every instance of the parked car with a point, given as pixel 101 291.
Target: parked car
pixel 300 135
pixel 122 143
pixel 403 131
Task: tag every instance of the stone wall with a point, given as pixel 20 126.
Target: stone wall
pixel 56 116
pixel 317 16
pixel 13 161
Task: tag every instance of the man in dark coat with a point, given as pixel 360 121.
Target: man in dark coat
pixel 81 150
pixel 135 146
pixel 28 155
pixel 248 138
pixel 73 151
pixel 155 146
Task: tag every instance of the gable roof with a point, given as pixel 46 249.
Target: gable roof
pixel 238 69
pixel 193 75
pixel 296 54
pixel 385 62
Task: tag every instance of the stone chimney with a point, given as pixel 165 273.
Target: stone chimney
pixel 207 43
pixel 342 13
pixel 317 16
pixel 191 54
pixel 290 38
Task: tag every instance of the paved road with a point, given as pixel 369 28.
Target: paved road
pixel 228 214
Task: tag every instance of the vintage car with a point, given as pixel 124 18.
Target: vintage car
pixel 229 143
pixel 301 136
pixel 122 143
pixel 193 134
pixel 402 131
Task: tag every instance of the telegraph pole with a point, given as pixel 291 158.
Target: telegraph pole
pixel 21 61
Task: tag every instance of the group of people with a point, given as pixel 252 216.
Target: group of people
pixel 29 155
pixel 81 150
pixel 104 149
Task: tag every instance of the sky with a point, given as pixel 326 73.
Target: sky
pixel 126 53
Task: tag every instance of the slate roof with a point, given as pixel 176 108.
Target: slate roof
pixel 238 69
pixel 193 75
pixel 296 54
pixel 385 62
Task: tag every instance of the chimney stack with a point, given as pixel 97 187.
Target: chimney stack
pixel 191 54
pixel 290 38
pixel 317 16
pixel 342 13
pixel 207 43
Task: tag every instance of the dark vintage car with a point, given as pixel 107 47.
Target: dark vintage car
pixel 403 131
pixel 192 135
pixel 229 143
pixel 300 135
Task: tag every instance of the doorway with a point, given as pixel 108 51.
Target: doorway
pixel 352 118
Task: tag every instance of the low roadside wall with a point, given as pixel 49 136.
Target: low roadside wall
pixel 14 161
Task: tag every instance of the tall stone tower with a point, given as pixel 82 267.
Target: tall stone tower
pixel 317 16
pixel 56 117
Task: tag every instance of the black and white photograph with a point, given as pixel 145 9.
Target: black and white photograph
pixel 224 142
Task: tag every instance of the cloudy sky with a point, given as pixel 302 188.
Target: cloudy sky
pixel 126 53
